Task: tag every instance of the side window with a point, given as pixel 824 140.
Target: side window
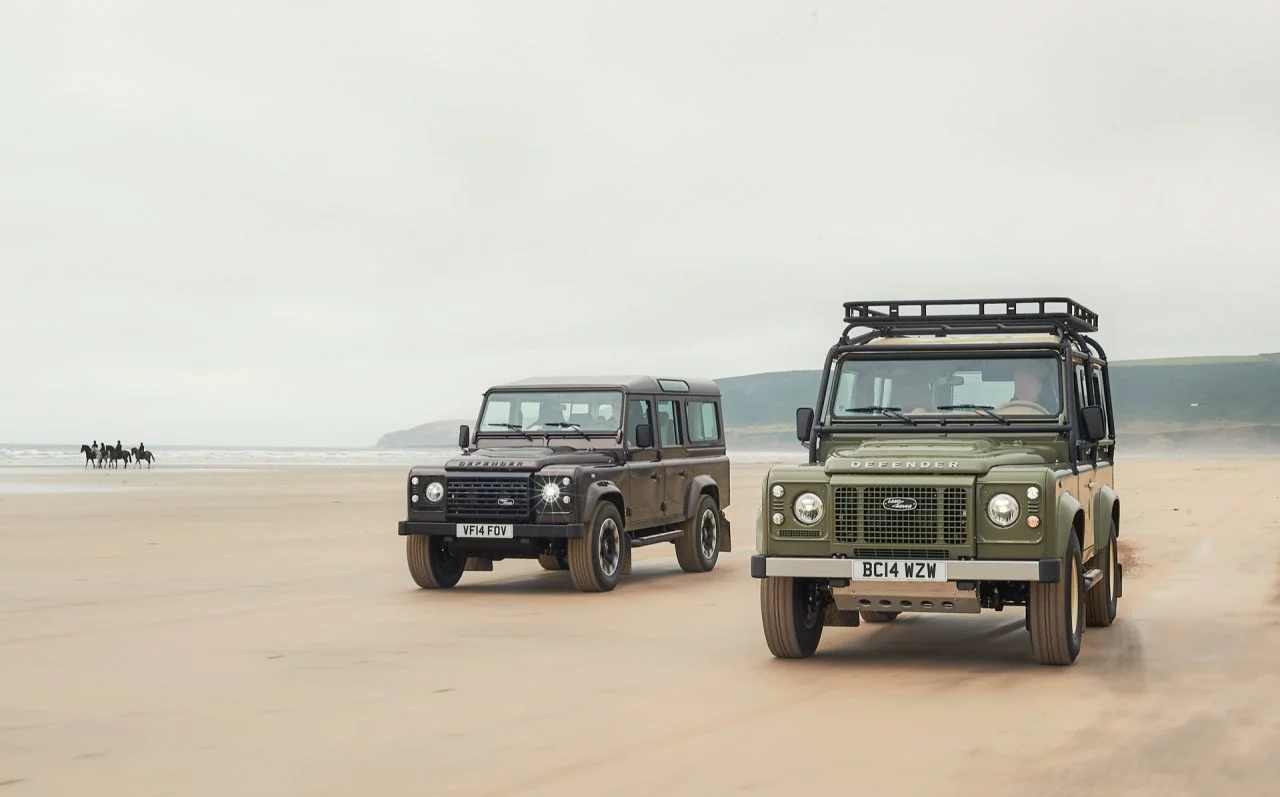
pixel 1081 385
pixel 703 421
pixel 638 412
pixel 1098 396
pixel 667 432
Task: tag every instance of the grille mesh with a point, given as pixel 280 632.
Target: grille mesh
pixel 940 517
pixel 487 498
pixel 846 515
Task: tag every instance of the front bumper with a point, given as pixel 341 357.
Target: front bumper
pixel 1039 570
pixel 545 531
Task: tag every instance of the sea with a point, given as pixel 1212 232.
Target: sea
pixel 41 457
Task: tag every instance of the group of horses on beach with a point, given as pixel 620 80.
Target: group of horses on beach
pixel 110 456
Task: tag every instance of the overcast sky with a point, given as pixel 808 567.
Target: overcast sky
pixel 304 223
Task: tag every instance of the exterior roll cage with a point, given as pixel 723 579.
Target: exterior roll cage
pixel 1070 324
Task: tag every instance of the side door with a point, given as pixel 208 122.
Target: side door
pixel 1104 471
pixel 644 491
pixel 671 451
pixel 1086 483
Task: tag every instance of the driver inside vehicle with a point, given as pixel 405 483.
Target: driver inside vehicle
pixel 1030 377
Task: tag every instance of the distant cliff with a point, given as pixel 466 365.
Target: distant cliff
pixel 436 434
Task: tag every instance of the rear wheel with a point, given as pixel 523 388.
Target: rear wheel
pixel 792 611
pixel 699 548
pixel 878 616
pixel 433 562
pixel 1102 602
pixel 553 561
pixel 595 560
pixel 1057 611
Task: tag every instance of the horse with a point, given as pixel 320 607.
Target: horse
pixel 139 455
pixel 113 456
pixel 88 455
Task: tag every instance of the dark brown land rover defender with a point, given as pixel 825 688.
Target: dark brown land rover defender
pixel 575 473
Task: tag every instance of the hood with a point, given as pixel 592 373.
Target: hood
pixel 526 458
pixel 930 455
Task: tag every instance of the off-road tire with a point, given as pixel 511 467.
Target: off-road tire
pixel 589 563
pixel 699 549
pixel 431 563
pixel 1057 611
pixel 552 561
pixel 1101 604
pixel 792 626
pixel 875 616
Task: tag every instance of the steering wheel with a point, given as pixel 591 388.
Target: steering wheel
pixel 1031 405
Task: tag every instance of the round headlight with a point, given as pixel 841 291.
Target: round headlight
pixel 808 508
pixel 1003 509
pixel 550 492
pixel 434 492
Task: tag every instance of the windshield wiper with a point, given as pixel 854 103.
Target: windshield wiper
pixel 575 427
pixel 514 427
pixel 894 411
pixel 984 409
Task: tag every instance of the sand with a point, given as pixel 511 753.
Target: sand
pixel 257 633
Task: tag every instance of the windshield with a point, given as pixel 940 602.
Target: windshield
pixel 554 411
pixel 990 387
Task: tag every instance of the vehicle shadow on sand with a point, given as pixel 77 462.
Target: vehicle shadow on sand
pixel 996 643
pixel 529 580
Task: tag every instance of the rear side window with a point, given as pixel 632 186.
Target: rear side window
pixel 703 421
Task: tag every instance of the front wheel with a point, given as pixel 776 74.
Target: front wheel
pixel 792 611
pixel 699 549
pixel 432 562
pixel 1056 611
pixel 595 560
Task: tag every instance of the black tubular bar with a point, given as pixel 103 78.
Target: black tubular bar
pixel 888 314
pixel 875 428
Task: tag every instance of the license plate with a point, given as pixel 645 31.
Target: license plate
pixel 899 570
pixel 486 530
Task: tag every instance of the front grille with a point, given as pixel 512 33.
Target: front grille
pixel 939 516
pixel 798 534
pixel 901 553
pixel 485 498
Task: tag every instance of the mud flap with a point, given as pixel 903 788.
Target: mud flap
pixel 480 563
pixel 725 539
pixel 624 567
pixel 841 619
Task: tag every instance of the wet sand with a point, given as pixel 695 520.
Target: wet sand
pixel 244 633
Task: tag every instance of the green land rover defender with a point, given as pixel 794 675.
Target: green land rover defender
pixel 960 459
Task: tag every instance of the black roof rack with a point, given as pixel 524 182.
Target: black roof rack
pixel 1023 314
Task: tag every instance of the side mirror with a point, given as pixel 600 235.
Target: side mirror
pixel 1093 423
pixel 644 436
pixel 804 423
pixel 464 436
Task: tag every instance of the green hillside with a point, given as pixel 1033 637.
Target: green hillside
pixel 1234 401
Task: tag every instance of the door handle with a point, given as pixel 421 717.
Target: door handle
pixel 681 474
pixel 653 476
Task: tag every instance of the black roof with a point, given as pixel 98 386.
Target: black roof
pixel 636 383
